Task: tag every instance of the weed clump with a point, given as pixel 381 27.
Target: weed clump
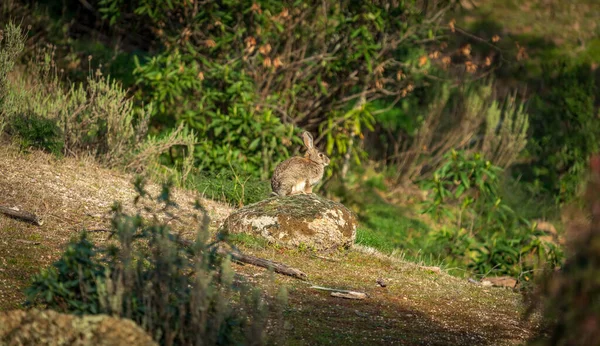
pixel 180 294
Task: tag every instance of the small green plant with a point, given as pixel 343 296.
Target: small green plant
pixel 35 131
pixel 70 284
pixel 467 180
pixel 180 292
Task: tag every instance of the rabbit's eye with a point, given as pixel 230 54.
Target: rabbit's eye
pixel 320 155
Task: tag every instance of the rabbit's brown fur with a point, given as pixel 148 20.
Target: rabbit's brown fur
pixel 299 174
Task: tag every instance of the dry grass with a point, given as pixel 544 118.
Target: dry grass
pixel 69 195
pixel 417 307
pixel 565 23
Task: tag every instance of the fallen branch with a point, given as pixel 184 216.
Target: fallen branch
pixel 237 256
pixel 342 293
pixel 261 262
pixel 349 295
pixel 21 215
pixel 28 242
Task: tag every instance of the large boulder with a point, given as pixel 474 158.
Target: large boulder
pixel 49 327
pixel 296 220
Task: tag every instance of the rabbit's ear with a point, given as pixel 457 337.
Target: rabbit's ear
pixel 308 140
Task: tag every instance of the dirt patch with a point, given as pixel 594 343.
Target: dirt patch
pixel 69 195
pixel 417 307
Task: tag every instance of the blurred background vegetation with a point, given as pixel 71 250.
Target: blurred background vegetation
pixel 459 131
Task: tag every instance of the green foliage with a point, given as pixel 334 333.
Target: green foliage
pixel 12 43
pixel 70 284
pixel 505 137
pixel 233 132
pixel 38 132
pixel 426 126
pixel 480 230
pixel 96 116
pixel 471 181
pixel 179 294
pixel 566 129
pixel 243 74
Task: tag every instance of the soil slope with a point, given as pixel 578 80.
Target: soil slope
pixel 417 307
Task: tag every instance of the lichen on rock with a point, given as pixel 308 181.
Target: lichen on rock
pixel 296 220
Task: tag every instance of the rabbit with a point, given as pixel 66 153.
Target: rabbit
pixel 298 175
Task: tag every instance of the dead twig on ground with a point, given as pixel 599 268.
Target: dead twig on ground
pixel 238 256
pixel 335 292
pixel 21 215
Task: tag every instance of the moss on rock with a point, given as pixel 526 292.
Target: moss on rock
pixel 291 221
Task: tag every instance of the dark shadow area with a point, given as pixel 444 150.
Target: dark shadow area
pixel 335 321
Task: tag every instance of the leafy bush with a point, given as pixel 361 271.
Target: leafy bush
pixel 232 130
pixel 566 128
pixel 95 116
pixel 179 294
pixel 480 230
pixel 244 74
pixel 70 284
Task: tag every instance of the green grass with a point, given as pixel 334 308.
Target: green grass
pixel 229 188
pixel 248 241
pixel 387 227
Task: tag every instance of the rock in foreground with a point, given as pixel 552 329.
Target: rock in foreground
pixel 49 327
pixel 292 221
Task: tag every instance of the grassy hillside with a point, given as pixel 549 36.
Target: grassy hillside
pixel 419 306
pixel 210 109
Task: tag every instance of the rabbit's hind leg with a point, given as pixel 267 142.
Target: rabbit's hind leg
pixel 298 188
pixel 307 187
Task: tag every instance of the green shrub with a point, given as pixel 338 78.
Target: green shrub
pixel 35 131
pixel 179 294
pixel 231 130
pixel 566 128
pixel 244 74
pixel 96 116
pixel 70 284
pixel 480 230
